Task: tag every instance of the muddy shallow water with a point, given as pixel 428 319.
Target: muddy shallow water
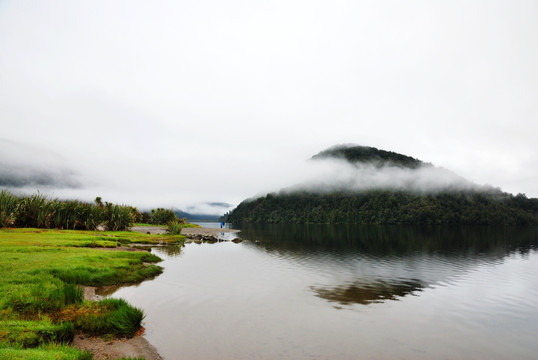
pixel 347 293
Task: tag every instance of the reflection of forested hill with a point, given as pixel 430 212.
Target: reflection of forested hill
pixel 369 292
pixel 384 187
pixel 371 263
pixel 393 240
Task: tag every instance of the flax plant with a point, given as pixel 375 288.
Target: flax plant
pixel 8 205
pixel 118 217
pixel 34 211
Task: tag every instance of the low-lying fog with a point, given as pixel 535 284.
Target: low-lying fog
pixel 215 191
pixel 339 175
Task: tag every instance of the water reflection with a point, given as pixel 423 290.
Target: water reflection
pixel 367 293
pixel 372 264
pixel 344 292
pixel 171 250
pixel 393 240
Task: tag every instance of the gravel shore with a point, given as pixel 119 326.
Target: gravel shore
pixel 207 231
pixel 156 230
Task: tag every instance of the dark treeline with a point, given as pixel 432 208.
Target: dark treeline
pixel 388 207
pixel 38 211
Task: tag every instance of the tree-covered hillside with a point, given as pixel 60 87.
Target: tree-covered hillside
pixel 354 154
pixel 387 207
pixel 449 205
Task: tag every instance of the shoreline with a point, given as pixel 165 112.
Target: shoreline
pixel 187 231
pixel 102 349
pixel 207 231
pixel 137 346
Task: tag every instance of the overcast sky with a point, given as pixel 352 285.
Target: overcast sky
pixel 177 103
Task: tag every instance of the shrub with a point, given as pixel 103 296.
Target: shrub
pixel 117 217
pixel 63 216
pixel 116 318
pixel 175 227
pixel 145 217
pixel 93 217
pixel 40 212
pixel 8 205
pixel 137 215
pixel 162 216
pixel 34 211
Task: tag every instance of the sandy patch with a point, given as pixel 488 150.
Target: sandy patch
pixel 116 349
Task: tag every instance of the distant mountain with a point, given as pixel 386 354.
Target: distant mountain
pixel 219 204
pixel 204 212
pixel 196 217
pixel 372 186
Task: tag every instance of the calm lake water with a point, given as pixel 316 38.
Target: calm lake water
pixel 347 292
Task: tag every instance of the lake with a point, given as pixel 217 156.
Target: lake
pixel 347 292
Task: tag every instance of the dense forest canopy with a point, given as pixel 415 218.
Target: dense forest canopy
pixel 384 205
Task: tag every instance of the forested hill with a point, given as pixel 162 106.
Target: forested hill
pixel 366 154
pixel 457 203
pixel 387 207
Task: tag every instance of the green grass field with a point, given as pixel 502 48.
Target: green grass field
pixel 41 301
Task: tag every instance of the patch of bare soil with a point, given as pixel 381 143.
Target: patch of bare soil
pixel 116 349
pixel 89 293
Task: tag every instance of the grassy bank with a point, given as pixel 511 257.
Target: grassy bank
pixel 41 300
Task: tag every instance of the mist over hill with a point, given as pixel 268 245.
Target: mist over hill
pixel 365 185
pixel 359 168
